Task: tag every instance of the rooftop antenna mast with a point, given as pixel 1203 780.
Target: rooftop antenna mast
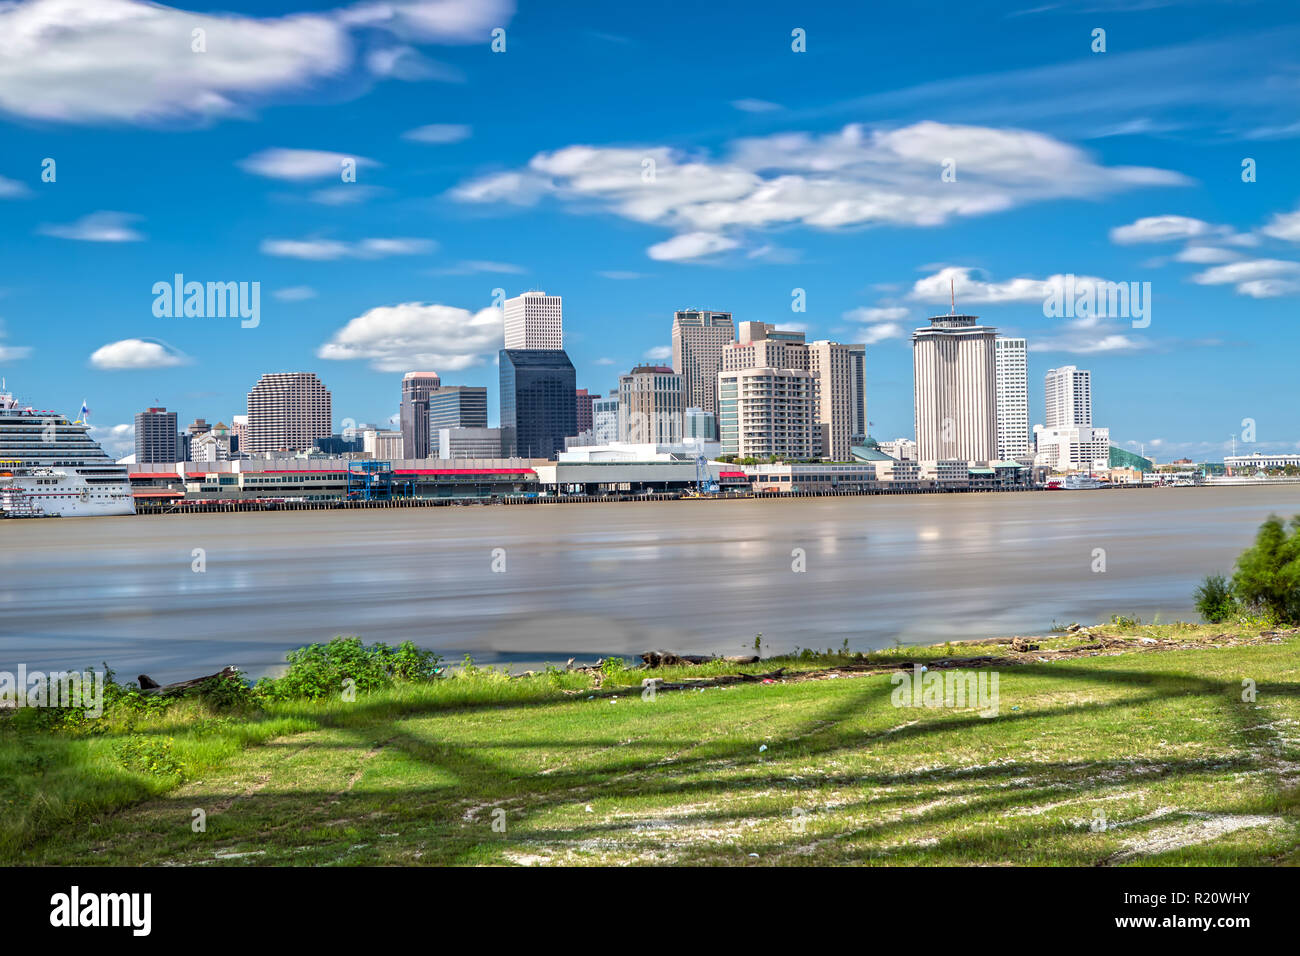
pixel 952 288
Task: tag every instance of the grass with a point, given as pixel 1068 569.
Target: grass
pixel 1129 758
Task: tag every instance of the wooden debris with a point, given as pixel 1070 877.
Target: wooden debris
pixel 150 686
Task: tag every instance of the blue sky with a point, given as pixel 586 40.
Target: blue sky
pixel 773 171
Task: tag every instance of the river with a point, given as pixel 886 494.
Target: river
pixel 179 596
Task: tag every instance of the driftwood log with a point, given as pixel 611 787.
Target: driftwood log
pixel 667 659
pixel 150 686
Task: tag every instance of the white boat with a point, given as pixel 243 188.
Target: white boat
pixel 1080 483
pixel 50 467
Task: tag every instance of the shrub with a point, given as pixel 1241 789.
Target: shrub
pixel 1267 578
pixel 1214 599
pixel 319 670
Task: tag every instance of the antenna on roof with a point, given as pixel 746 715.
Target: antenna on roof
pixel 952 288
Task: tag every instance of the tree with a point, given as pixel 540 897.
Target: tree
pixel 1267 578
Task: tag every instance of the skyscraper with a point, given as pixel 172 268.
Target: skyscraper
pixel 1012 372
pixel 841 396
pixel 768 411
pixel 457 406
pixel 583 410
pixel 538 405
pixel 534 320
pixel 650 407
pixel 1067 397
pixel 414 412
pixel 955 389
pixel 698 340
pixel 838 370
pixel 288 411
pixel 156 438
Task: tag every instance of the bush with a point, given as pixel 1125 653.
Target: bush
pixel 319 670
pixel 1215 601
pixel 1267 579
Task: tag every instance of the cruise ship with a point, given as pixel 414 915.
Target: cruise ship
pixel 50 467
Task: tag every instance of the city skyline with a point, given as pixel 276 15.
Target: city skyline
pixel 478 171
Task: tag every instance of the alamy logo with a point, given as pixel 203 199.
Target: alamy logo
pixel 58 689
pixel 72 909
pixel 1095 298
pixel 211 300
pixel 926 688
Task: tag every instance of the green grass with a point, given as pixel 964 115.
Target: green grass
pixel 1184 771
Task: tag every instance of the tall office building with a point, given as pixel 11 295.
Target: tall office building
pixel 288 411
pixel 414 412
pixel 1067 397
pixel 1011 366
pixel 538 407
pixel 698 340
pixel 1069 442
pixel 534 320
pixel 582 410
pixel 955 389
pixel 604 419
pixel 841 396
pixel 838 369
pixel 650 409
pixel 156 437
pixel 457 406
pixel 768 411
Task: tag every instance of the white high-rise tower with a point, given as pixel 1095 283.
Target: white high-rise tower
pixel 955 389
pixel 1012 371
pixel 1068 397
pixel 534 320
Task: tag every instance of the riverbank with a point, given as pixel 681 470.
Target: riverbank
pixel 1125 744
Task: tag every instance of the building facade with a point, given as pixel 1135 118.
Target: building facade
pixel 604 419
pixel 955 383
pixel 288 411
pixel 469 443
pixel 1067 397
pixel 699 336
pixel 1012 372
pixel 156 437
pixel 650 406
pixel 768 411
pixel 414 411
pixel 582 410
pixel 841 396
pixel 457 406
pixel 538 407
pixel 534 320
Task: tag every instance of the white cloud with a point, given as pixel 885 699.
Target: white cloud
pixel 11 353
pixel 137 354
pixel 475 266
pixel 132 61
pixel 690 245
pixel 854 177
pixel 345 194
pixel 116 440
pixel 877 314
pixel 438 133
pixel 300 165
pixel 96 227
pixel 400 337
pixel 1257 278
pixel 660 353
pixel 604 361
pixel 1206 255
pixel 882 331
pixel 1161 229
pixel 1089 336
pixel 622 275
pixel 1284 225
pixel 756 106
pixel 297 293
pixel 12 188
pixel 939 288
pixel 328 250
